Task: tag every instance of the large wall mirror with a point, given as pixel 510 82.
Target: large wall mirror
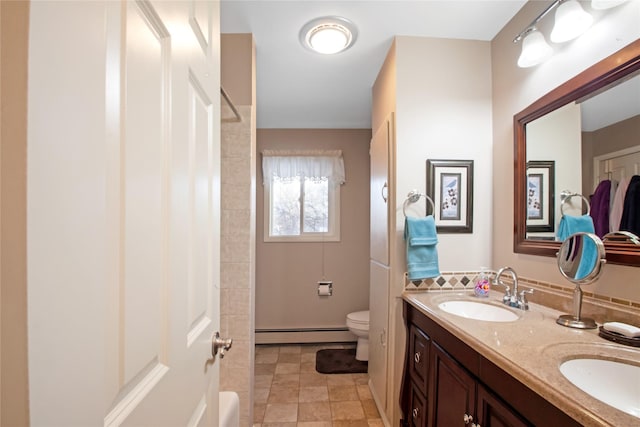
pixel 566 140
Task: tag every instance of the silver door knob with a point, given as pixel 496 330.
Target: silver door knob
pixel 220 344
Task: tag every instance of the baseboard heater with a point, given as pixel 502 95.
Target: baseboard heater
pixel 303 335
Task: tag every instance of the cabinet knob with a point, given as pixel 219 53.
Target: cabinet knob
pixel 415 413
pixel 468 419
pixel 417 356
pixel 384 192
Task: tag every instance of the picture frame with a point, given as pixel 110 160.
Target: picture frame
pixel 540 193
pixel 450 186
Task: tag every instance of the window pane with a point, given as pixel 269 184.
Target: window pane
pixel 285 207
pixel 316 206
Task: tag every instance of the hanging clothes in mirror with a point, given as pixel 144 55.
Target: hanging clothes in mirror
pixel 630 220
pixel 600 202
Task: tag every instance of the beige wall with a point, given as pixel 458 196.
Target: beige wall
pixel 237 71
pixel 384 89
pixel 237 228
pixel 513 90
pixel 287 273
pixel 444 112
pixel 556 136
pixel 615 137
pixel 14 29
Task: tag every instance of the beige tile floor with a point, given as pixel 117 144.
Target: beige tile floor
pixel 289 391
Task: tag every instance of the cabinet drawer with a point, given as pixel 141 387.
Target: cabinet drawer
pixel 419 357
pixel 417 416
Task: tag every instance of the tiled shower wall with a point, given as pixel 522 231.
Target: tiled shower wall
pixel 237 293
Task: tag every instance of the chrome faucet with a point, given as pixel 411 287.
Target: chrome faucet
pixel 515 299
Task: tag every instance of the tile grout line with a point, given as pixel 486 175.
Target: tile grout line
pixel 271 356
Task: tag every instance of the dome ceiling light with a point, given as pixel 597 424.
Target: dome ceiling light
pixel 328 35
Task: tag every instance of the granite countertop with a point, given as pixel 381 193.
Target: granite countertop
pixel 531 349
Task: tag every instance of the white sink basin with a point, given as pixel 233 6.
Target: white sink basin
pixel 478 311
pixel 615 383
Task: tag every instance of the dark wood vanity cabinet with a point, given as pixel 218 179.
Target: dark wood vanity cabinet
pixel 446 384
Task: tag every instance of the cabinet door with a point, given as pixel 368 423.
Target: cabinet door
pixel 379 206
pixel 378 324
pixel 453 391
pixel 493 412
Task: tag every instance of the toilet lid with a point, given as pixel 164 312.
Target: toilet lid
pixel 359 317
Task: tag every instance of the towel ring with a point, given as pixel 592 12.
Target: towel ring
pixel 569 196
pixel 414 196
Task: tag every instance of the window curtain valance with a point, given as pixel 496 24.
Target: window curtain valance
pixel 315 164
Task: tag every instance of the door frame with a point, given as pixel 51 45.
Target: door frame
pixel 604 157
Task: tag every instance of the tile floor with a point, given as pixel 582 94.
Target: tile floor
pixel 289 391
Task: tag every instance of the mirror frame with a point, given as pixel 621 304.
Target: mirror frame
pixel 615 67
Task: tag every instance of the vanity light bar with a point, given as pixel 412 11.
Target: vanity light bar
pixel 570 22
pixel 531 27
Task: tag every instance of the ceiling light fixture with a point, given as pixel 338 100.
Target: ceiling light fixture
pixel 328 35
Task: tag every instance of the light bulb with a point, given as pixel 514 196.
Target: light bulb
pixel 571 21
pixel 534 50
pixel 329 39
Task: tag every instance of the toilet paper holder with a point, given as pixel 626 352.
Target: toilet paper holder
pixel 325 288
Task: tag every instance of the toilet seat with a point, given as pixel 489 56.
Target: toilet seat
pixel 359 318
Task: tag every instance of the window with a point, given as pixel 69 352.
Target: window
pixel 302 195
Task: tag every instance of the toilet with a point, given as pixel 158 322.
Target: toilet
pixel 358 324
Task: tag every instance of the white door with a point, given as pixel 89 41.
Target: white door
pixel 123 213
pixel 618 165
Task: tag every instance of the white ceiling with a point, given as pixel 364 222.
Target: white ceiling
pixel 613 105
pixel 297 88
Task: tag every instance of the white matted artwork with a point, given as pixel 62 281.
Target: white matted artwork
pixel 450 185
pixel 540 196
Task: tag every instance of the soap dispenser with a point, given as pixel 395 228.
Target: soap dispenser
pixel 482 283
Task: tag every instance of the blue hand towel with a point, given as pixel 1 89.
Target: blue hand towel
pixel 421 239
pixel 574 224
pixel 588 258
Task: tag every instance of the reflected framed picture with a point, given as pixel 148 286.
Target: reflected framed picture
pixel 540 196
pixel 450 186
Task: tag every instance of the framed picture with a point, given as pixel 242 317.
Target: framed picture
pixel 540 196
pixel 450 186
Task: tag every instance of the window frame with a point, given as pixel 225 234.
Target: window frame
pixel 333 235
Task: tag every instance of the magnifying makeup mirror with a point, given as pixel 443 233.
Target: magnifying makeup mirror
pixel 580 261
